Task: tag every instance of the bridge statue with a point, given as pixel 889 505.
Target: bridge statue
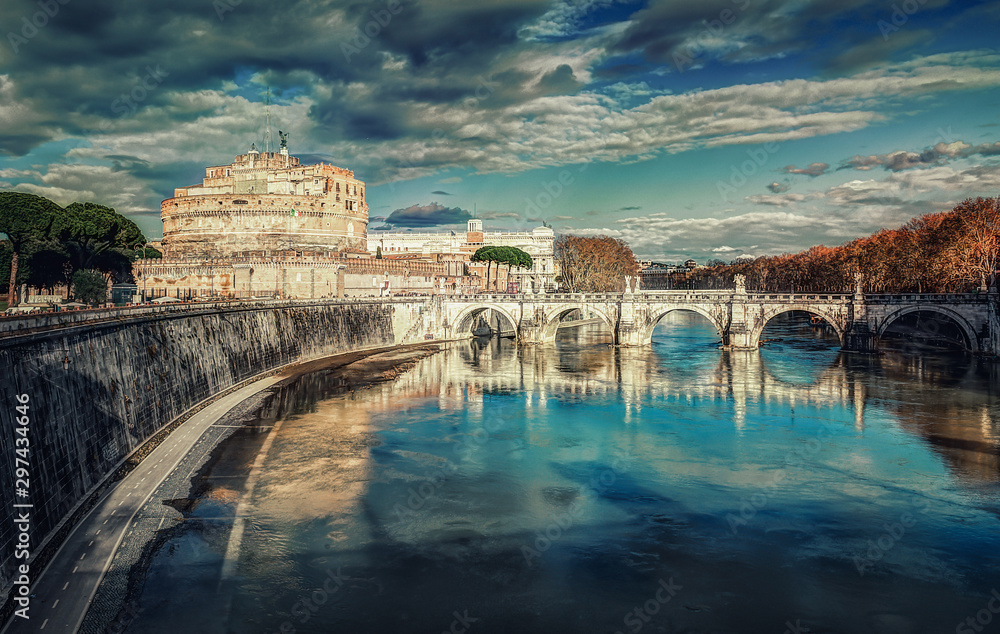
pixel 741 283
pixel 859 283
pixel 628 283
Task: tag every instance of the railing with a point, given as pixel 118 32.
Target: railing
pixel 972 298
pixel 23 323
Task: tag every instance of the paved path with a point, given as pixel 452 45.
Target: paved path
pixel 66 587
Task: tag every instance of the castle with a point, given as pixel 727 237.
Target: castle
pixel 266 202
pixel 267 226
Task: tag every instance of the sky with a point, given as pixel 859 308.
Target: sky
pixel 706 129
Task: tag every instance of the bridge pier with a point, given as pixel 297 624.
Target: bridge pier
pixel 531 327
pixel 627 334
pixel 993 321
pixel 860 337
pixel 739 337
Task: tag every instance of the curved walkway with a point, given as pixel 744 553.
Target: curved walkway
pixel 62 594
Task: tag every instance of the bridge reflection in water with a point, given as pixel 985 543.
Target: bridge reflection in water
pixel 943 398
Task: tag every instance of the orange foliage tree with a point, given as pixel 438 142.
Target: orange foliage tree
pixel 594 265
pixel 956 250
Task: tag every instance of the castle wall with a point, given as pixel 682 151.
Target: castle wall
pixel 226 224
pixel 294 277
pixel 266 202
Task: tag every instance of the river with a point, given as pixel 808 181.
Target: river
pixel 577 487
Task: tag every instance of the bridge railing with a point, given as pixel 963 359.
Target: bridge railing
pixel 941 298
pixel 800 297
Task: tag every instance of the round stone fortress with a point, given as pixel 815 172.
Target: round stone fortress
pixel 266 202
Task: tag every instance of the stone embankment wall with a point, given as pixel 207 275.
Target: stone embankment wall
pixel 98 390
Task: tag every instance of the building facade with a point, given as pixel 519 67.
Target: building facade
pixel 537 243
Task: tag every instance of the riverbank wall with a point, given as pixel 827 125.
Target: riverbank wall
pixel 93 393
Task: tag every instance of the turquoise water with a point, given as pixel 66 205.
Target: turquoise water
pixel 583 488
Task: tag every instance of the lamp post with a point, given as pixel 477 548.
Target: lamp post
pixel 143 256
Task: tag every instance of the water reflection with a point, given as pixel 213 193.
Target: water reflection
pixel 553 488
pixel 946 399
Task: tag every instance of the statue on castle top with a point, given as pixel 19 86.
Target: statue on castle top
pixel 284 138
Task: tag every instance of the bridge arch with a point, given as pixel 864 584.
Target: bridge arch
pixel 463 320
pixel 656 314
pixel 553 318
pixel 771 312
pixel 972 340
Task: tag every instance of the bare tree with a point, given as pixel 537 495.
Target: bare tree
pixel 594 265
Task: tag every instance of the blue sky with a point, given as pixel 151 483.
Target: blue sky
pixel 703 130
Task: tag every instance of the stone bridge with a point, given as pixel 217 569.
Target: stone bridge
pixel 739 316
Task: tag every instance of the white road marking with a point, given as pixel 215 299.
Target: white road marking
pixel 44 623
pixel 179 450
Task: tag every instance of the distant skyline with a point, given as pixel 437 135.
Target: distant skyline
pixel 704 130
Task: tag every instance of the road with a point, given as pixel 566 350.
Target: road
pixel 66 587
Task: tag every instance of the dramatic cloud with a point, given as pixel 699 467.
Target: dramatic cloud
pixel 690 35
pixel 427 216
pixel 814 169
pixel 940 154
pixel 119 102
